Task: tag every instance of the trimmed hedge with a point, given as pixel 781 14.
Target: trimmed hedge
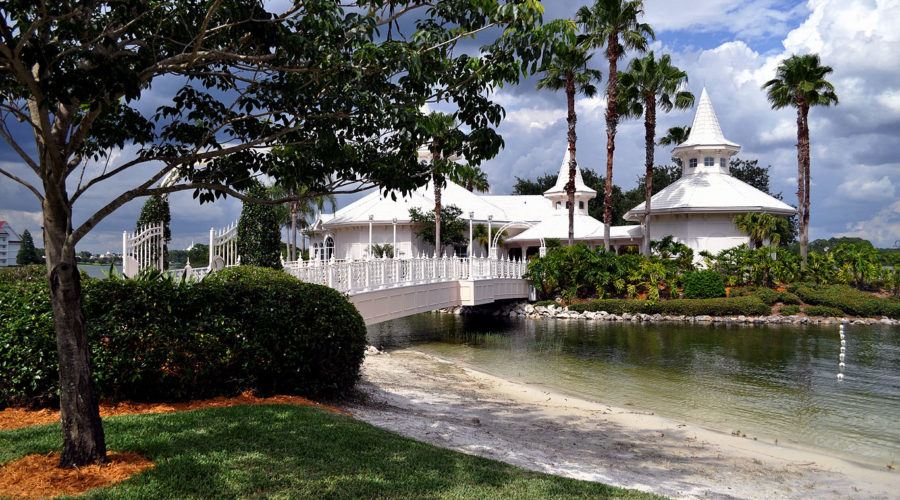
pixel 705 284
pixel 789 310
pixel 847 299
pixel 765 294
pixel 243 328
pixel 831 312
pixel 747 306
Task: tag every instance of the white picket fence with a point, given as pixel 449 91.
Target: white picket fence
pixel 142 248
pixel 353 277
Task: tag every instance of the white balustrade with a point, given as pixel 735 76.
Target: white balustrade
pixel 357 276
pixel 142 248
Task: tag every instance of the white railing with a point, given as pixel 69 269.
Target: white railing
pixel 142 248
pixel 357 276
pixel 223 247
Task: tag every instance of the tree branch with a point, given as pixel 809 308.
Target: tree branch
pixel 24 183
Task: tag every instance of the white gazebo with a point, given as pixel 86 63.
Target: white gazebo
pixel 698 208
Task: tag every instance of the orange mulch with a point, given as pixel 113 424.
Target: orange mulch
pixel 14 418
pixel 39 476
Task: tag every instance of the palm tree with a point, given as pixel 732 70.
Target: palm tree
pixel 646 85
pixel 567 70
pixel 760 227
pixel 800 82
pixel 299 210
pixel 472 177
pixel 613 24
pixel 443 133
pixel 675 136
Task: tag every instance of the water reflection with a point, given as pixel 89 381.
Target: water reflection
pixel 772 382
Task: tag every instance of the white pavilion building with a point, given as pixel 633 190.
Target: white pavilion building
pixel 696 210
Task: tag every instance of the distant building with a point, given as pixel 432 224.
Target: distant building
pixel 696 210
pixel 10 243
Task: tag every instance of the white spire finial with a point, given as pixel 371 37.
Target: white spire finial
pixel 705 131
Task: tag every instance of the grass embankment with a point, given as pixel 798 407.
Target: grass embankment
pixel 297 452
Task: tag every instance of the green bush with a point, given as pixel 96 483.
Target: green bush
pixel 824 311
pixel 789 310
pixel 748 306
pixel 546 303
pixel 847 299
pixel 767 295
pixel 243 328
pixel 705 284
pixel 34 273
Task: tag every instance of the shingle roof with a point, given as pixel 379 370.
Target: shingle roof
pixel 705 131
pixel 710 192
pixel 563 179
pixel 586 228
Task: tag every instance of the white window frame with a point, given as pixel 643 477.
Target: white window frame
pixel 709 161
pixel 692 163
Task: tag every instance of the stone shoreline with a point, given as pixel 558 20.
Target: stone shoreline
pixel 527 310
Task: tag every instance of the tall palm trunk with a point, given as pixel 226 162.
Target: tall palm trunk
pixel 803 176
pixel 83 439
pixel 649 139
pixel 612 119
pixel 570 186
pixel 437 210
pixel 294 209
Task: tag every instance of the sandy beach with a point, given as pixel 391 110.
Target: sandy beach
pixel 455 407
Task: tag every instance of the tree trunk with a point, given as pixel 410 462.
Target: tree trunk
pixel 293 231
pixel 83 439
pixel 437 212
pixel 802 182
pixel 612 119
pixel 570 186
pixel 649 133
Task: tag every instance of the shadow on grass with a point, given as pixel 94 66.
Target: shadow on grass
pixel 290 451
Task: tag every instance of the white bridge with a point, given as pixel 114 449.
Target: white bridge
pixel 382 289
pixel 385 289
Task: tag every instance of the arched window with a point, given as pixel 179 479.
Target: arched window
pixel 329 247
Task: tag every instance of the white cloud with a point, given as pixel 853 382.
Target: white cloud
pixel 856 188
pixel 746 18
pixel 534 118
pixel 883 228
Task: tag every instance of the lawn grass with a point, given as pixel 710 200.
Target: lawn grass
pixel 281 451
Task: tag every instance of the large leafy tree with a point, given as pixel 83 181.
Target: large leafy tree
pixel 646 85
pixel 317 78
pixel 567 70
pixel 444 141
pixel 613 24
pixel 452 229
pixel 800 82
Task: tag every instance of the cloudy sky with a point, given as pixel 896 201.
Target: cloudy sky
pixel 729 46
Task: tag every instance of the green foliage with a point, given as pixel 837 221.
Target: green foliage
pixel 382 251
pixel 35 273
pixel 454 229
pixel 767 295
pixel 761 227
pixel 764 266
pixel 159 340
pixel 545 303
pixel 705 284
pixel 847 299
pixel 259 238
pixel 156 211
pixel 575 272
pixel 789 310
pixel 831 312
pixel 27 254
pixel 748 306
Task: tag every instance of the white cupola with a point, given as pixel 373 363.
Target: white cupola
pixel 558 196
pixel 706 150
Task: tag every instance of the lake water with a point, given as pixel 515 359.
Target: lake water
pixel 770 382
pixel 97 271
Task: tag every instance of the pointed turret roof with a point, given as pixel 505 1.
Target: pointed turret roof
pixel 563 178
pixel 705 131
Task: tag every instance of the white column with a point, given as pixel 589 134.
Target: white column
pixel 394 246
pixel 471 250
pixel 490 237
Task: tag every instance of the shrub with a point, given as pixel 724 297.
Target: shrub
pixel 847 299
pixel 790 310
pixel 767 295
pixel 241 328
pixel 546 303
pixel 748 306
pixel 824 311
pixel 705 284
